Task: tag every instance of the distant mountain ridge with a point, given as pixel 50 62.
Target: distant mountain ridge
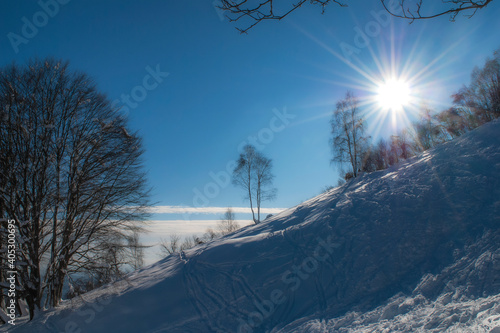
pixel 386 246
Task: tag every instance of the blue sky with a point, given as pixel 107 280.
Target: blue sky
pixel 223 88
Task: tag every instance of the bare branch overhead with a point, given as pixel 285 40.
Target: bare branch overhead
pixel 250 13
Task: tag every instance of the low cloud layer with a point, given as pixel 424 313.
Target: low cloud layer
pixel 208 210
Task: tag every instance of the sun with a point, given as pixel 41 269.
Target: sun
pixel 393 94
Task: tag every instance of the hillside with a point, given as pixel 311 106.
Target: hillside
pixel 411 248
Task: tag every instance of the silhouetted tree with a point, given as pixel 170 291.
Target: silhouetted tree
pixel 382 155
pixel 188 243
pixel 479 102
pixel 427 131
pixel 394 151
pixel 172 245
pixel 210 234
pixel 406 146
pixel 71 179
pixel 347 128
pixel 253 173
pixel 227 223
pixel 369 163
pixel 455 122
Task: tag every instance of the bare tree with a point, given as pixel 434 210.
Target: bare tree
pixel 210 234
pixel 369 159
pixel 71 179
pixel 348 138
pixel 479 102
pixel 254 12
pixel 428 131
pixel 172 245
pixel 405 144
pixel 382 156
pixel 188 243
pixel 227 224
pixel 456 121
pixel 135 256
pixel 253 173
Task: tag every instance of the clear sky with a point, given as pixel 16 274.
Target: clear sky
pixel 275 86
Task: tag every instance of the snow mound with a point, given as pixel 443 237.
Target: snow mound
pixel 411 248
pixel 413 314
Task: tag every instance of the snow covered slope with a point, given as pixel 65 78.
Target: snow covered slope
pixel 380 253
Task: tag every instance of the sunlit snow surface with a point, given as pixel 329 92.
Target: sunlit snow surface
pixel 413 314
pixel 410 249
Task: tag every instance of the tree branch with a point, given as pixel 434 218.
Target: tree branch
pixel 254 12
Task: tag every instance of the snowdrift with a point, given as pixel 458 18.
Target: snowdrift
pixel 381 252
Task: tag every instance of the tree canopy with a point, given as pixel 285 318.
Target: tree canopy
pixel 71 178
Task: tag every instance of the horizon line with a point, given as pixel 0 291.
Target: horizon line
pixel 209 210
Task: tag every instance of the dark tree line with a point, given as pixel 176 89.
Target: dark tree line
pixel 70 177
pixel 252 13
pixel 473 105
